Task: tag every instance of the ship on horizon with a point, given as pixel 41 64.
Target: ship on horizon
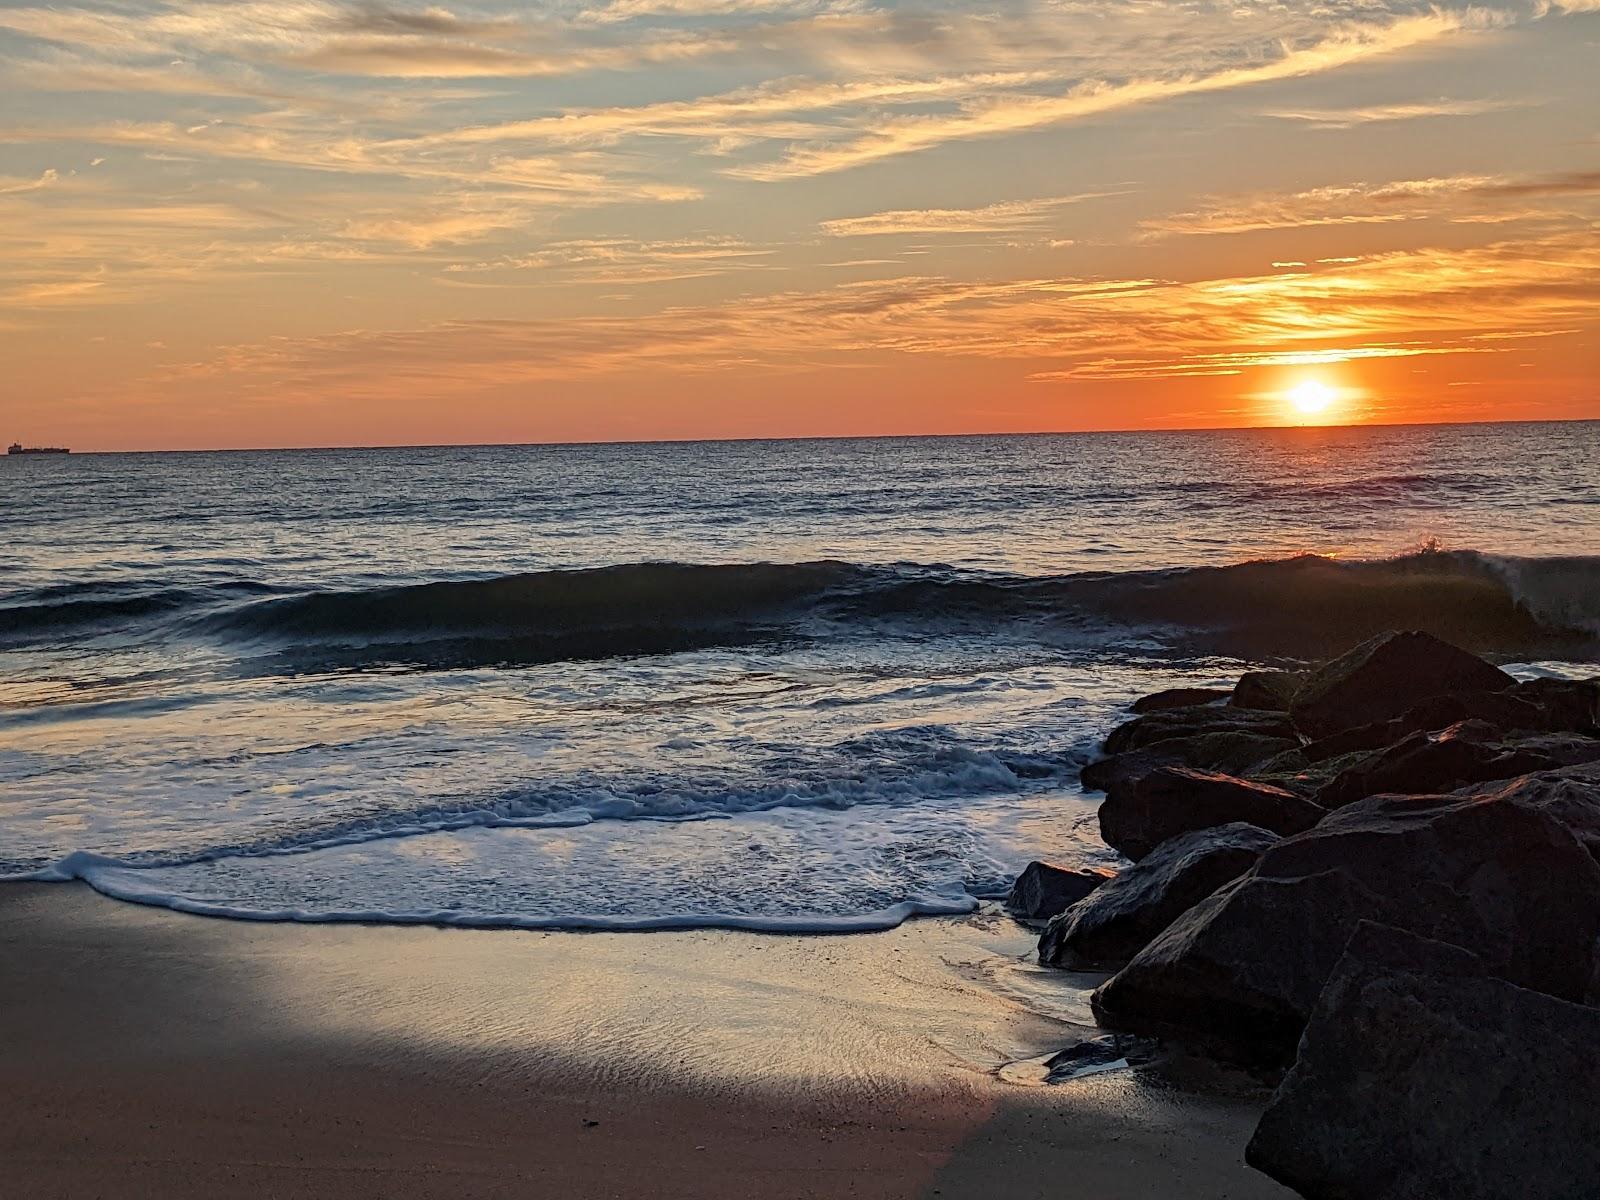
pixel 19 448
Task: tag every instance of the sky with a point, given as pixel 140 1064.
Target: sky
pixel 312 222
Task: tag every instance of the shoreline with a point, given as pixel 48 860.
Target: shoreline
pixel 163 1054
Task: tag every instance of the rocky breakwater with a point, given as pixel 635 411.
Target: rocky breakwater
pixel 1381 876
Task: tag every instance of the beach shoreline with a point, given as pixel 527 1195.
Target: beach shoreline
pixel 162 1054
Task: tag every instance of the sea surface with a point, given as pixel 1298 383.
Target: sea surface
pixel 797 685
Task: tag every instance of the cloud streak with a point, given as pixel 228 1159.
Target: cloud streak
pixel 1024 113
pixel 1013 216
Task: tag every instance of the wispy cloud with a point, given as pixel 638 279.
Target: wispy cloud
pixel 1008 217
pixel 1019 114
pixel 627 260
pixel 1461 198
pixel 1404 304
pixel 1576 183
pixel 1347 118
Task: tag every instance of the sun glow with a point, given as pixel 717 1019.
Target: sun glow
pixel 1311 397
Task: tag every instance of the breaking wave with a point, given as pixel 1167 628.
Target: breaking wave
pixel 1303 606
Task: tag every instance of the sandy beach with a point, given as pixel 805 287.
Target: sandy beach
pixel 156 1054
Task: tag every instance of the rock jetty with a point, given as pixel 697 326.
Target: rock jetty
pixel 1381 877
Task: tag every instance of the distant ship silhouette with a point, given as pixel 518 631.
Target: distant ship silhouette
pixel 19 448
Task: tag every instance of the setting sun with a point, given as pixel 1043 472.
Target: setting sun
pixel 1311 397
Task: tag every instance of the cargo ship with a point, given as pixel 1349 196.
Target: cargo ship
pixel 19 448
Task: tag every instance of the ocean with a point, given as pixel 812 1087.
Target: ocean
pixel 792 685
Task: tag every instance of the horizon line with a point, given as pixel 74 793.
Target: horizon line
pixel 832 437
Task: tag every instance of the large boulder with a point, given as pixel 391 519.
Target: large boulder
pixel 1195 720
pixel 1137 818
pixel 1117 919
pixel 1043 889
pixel 1270 690
pixel 1232 752
pixel 1420 1078
pixel 1533 706
pixel 1466 753
pixel 1565 705
pixel 1291 770
pixel 1495 874
pixel 1571 795
pixel 1382 678
pixel 1181 697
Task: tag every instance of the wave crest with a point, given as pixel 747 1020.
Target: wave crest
pixel 1297 607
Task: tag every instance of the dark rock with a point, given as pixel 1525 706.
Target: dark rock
pixel 1417 764
pixel 1571 795
pixel 1413 1083
pixel 1290 770
pixel 1387 949
pixel 1467 753
pixel 1534 706
pixel 1243 968
pixel 1135 819
pixel 1382 678
pixel 1272 691
pixel 1566 705
pixel 1118 919
pixel 1193 721
pixel 1234 753
pixel 1043 890
pixel 1095 1056
pixel 1183 697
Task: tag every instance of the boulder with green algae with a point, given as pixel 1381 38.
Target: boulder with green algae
pixel 1272 691
pixel 1382 678
pixel 1181 697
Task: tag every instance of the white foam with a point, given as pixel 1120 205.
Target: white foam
pixel 786 871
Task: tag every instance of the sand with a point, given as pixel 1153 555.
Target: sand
pixel 150 1053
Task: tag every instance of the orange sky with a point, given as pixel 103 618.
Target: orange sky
pixel 305 222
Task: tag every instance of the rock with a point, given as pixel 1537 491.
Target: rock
pixel 1183 697
pixel 1382 678
pixel 1534 706
pixel 1416 1083
pixel 1043 889
pixel 1270 690
pixel 1095 1056
pixel 1567 705
pixel 1194 721
pixel 1243 968
pixel 1466 753
pixel 1291 771
pixel 1387 949
pixel 1234 753
pixel 1135 819
pixel 1115 922
pixel 1571 795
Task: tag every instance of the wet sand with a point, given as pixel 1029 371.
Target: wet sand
pixel 149 1053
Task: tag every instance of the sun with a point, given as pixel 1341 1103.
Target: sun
pixel 1311 397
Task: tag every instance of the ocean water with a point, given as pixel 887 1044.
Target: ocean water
pixel 813 685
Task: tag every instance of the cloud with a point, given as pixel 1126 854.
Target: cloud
pixel 628 260
pixel 1018 114
pixel 1006 217
pixel 772 110
pixel 1459 198
pixel 1347 118
pixel 46 179
pixel 629 10
pixel 1577 183
pixel 1428 302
